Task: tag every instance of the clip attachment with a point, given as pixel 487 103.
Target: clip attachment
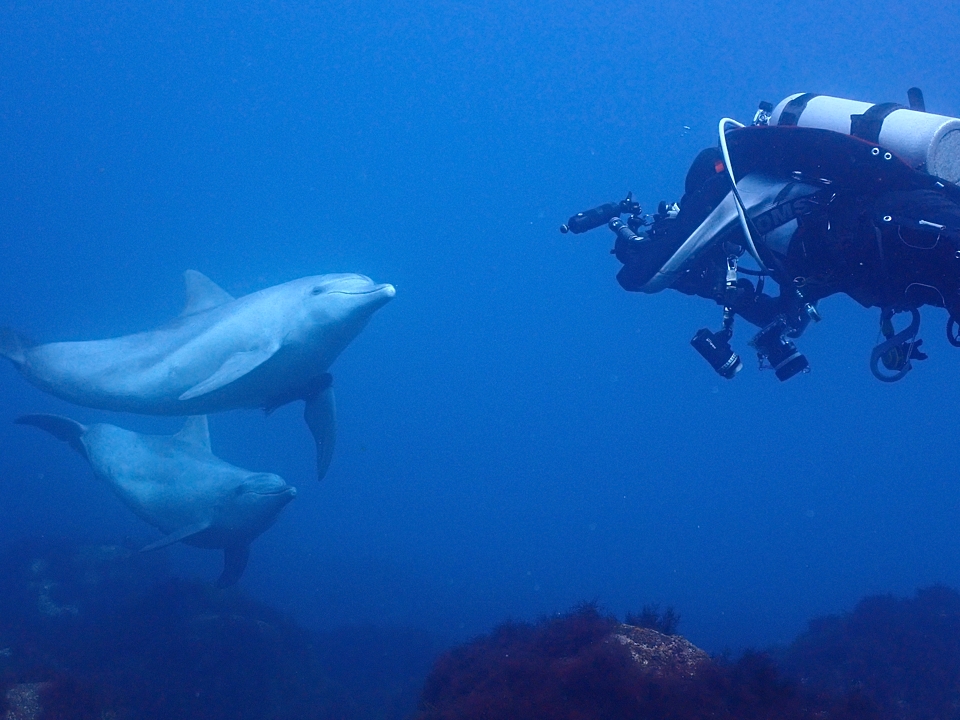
pixel 898 349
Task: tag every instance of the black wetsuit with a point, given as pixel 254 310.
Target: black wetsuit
pixel 882 233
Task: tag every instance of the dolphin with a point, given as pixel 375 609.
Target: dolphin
pixel 261 350
pixel 175 483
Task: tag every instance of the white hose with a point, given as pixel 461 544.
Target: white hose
pixel 741 211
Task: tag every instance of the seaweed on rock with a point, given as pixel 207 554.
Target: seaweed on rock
pixel 585 666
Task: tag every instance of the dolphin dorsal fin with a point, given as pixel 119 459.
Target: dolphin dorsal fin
pixel 202 293
pixel 195 431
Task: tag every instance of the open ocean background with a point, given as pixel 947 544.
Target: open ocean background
pixel 517 434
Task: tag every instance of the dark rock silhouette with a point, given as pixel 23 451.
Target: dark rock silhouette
pixel 903 653
pixel 95 631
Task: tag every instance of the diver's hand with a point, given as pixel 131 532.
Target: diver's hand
pixel 916 353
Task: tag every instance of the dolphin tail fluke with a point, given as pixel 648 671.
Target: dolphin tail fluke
pixel 234 563
pixel 13 345
pixel 70 431
pixel 320 413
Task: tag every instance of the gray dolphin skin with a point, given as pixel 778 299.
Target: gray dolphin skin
pixel 176 484
pixel 261 350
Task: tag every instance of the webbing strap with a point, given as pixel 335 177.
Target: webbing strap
pixel 867 126
pixel 792 110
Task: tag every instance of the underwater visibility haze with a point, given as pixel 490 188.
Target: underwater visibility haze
pixel 515 433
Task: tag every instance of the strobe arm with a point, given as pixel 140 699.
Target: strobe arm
pixel 600 215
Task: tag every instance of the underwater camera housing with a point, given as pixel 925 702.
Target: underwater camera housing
pixel 773 345
pixel 715 349
pixel 603 214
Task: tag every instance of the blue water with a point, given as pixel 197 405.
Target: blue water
pixel 517 434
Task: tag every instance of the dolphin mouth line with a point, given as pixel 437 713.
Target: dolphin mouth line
pixel 357 292
pixel 284 491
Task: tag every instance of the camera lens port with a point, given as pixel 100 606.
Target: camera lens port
pixel 715 349
pixel 773 346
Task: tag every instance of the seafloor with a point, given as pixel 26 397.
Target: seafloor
pixel 96 631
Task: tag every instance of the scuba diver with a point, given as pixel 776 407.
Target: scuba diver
pixel 820 195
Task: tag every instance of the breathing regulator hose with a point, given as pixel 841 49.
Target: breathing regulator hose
pixel 741 210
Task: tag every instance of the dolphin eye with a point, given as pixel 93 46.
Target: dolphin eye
pixel 238 491
pixel 316 290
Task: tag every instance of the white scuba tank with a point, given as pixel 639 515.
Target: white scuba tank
pixel 926 142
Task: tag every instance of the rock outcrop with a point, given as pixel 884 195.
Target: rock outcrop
pixel 660 654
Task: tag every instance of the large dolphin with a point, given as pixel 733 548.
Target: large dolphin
pixel 175 483
pixel 262 350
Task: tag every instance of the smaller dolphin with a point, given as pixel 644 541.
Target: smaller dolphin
pixel 175 483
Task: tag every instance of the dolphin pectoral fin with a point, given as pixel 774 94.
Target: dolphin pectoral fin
pixel 202 293
pixel 177 536
pixel 320 412
pixel 195 431
pixel 70 431
pixel 234 563
pixel 236 366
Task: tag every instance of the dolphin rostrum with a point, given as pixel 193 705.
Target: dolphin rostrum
pixel 261 350
pixel 175 483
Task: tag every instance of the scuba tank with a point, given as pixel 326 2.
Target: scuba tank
pixel 924 141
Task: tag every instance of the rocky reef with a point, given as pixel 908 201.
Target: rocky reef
pixel 586 665
pixel 102 632
pixel 97 632
pixel 901 653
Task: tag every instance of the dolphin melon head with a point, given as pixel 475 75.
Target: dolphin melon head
pixel 340 305
pixel 254 503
